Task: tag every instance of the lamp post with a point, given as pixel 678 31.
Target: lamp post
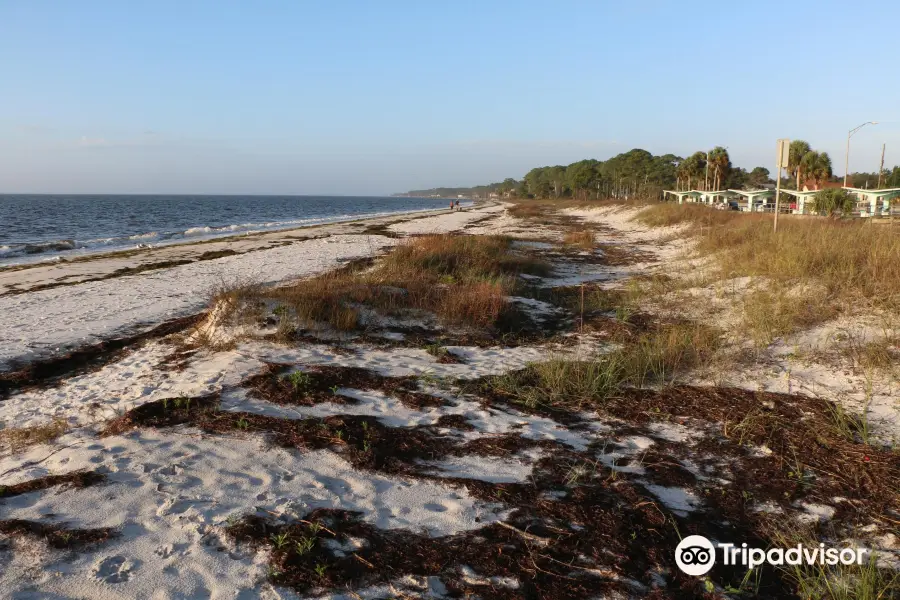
pixel 847 154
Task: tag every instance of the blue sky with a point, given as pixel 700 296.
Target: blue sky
pixel 364 97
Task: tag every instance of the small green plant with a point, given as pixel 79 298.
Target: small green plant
pixel 623 313
pixel 299 380
pixel 243 423
pixel 579 471
pixel 273 572
pixel 279 540
pixel 165 405
pixel 315 527
pixel 853 428
pixel 334 390
pixel 320 569
pixel 798 472
pixel 281 310
pixel 340 434
pixel 66 536
pixel 436 350
pixel 305 545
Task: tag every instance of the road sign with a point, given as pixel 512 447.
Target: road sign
pixel 784 152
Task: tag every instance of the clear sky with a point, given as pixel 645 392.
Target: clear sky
pixel 373 97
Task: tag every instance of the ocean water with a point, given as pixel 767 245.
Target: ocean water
pixel 50 227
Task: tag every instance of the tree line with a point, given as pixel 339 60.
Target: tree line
pixel 636 173
pixel 639 174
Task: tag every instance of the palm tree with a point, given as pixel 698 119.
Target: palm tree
pixel 684 174
pixel 694 165
pixel 798 150
pixel 833 202
pixel 817 165
pixel 720 162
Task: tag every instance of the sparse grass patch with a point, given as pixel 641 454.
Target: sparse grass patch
pixel 851 261
pixel 852 427
pixel 18 438
pixel 833 582
pixel 583 239
pixel 653 357
pixel 462 279
pixel 771 314
pixel 882 352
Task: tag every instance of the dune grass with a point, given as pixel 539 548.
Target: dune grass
pixel 460 279
pixel 867 581
pixel 655 357
pixel 853 260
pixel 815 268
pixel 583 239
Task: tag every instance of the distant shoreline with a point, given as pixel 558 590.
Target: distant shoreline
pixel 19 254
pixel 56 306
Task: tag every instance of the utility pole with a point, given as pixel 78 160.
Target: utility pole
pixel 881 168
pixel 784 148
pixel 847 154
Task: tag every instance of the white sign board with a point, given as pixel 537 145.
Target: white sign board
pixel 784 152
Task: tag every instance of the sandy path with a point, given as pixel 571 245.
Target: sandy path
pixel 447 222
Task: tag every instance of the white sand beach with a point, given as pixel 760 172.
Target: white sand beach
pixel 169 494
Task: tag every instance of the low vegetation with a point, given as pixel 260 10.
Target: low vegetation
pixel 815 268
pixel 583 239
pixel 19 438
pixel 462 280
pixel 834 582
pixel 652 357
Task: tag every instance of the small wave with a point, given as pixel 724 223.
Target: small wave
pixel 143 236
pixel 55 246
pixel 196 231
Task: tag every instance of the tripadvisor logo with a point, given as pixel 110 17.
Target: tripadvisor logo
pixel 696 555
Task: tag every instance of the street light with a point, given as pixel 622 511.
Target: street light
pixel 847 155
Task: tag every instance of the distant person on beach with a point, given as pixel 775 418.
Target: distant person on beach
pixel 451 205
pixel 457 205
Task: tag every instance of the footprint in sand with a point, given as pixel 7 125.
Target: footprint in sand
pixel 113 569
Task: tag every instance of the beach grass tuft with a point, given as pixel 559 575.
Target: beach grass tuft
pixel 18 438
pixel 463 280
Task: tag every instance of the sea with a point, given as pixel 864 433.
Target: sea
pixel 52 227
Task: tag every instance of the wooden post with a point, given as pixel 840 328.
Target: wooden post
pixel 777 187
pixel 582 307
